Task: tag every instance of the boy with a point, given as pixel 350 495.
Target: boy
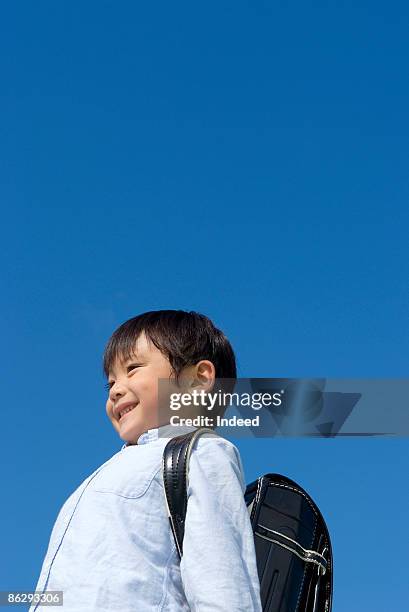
pixel 112 548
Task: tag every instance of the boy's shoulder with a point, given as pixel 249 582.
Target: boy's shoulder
pixel 217 456
pixel 210 443
pixel 212 453
pixel 211 446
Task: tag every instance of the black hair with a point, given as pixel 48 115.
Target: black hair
pixel 185 338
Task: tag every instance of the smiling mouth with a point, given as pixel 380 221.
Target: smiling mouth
pixel 126 411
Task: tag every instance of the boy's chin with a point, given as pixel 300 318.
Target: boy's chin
pixel 130 437
pixel 132 434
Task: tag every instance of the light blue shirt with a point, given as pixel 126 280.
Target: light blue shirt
pixel 112 549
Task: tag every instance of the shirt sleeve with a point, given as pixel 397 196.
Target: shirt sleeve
pixel 218 567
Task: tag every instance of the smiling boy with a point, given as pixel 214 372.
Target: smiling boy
pixel 111 548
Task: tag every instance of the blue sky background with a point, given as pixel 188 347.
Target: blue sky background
pixel 245 159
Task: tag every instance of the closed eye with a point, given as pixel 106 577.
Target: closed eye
pixel 129 369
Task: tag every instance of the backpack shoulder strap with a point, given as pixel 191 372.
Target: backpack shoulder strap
pixel 175 468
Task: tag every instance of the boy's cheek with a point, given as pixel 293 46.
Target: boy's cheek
pixel 109 410
pixel 110 413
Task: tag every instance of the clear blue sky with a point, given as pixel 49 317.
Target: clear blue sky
pixel 245 159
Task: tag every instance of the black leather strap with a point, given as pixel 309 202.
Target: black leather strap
pixel 175 478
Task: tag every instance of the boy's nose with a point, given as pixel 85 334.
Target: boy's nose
pixel 117 390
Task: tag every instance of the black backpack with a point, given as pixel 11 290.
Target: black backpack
pixel 293 546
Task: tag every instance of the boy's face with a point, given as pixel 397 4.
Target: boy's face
pixel 134 384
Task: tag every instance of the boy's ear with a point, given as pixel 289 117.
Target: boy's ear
pixel 202 375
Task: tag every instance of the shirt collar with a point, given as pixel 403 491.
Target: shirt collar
pixel 164 431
